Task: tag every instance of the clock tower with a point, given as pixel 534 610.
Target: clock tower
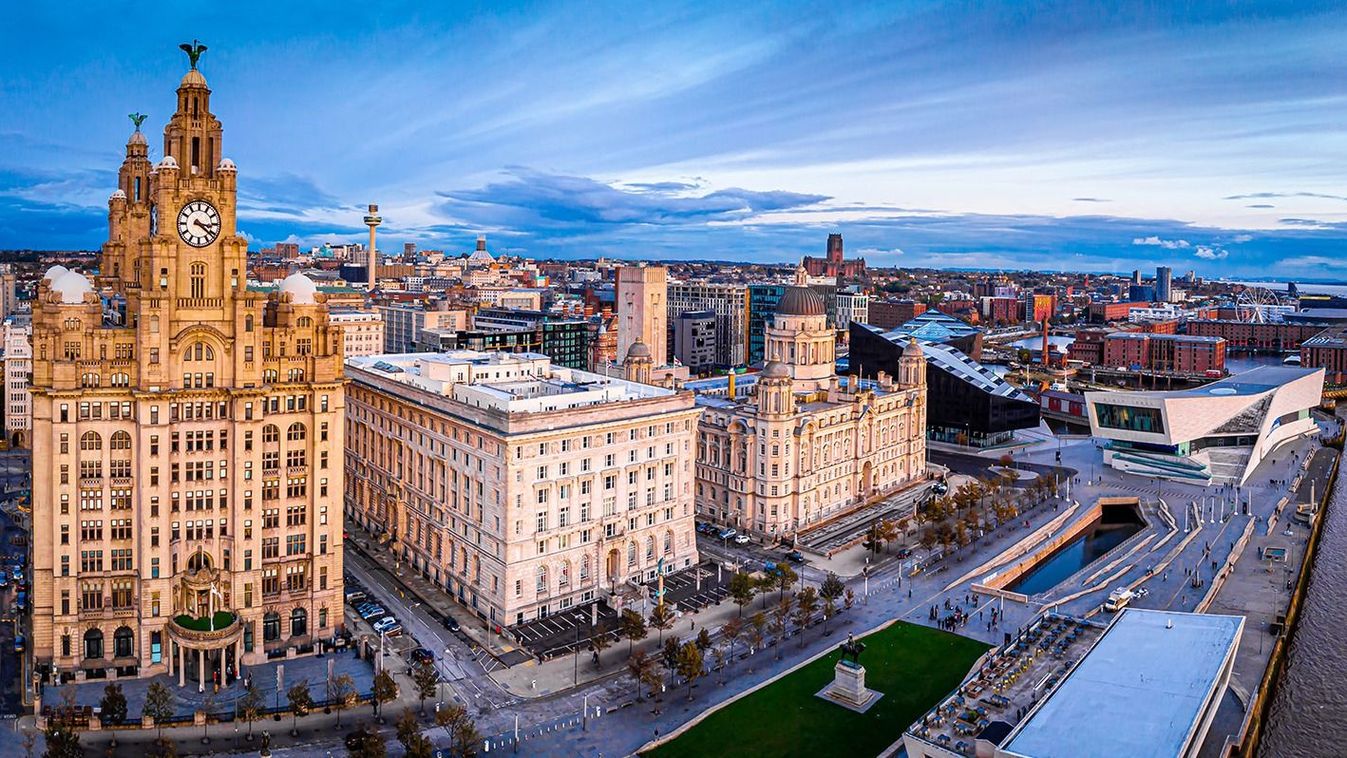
pixel 167 534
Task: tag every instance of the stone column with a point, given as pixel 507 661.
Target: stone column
pixel 224 668
pixel 182 669
pixel 201 668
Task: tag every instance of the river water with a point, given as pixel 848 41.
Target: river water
pixel 1309 709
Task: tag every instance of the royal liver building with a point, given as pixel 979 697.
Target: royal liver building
pixel 187 435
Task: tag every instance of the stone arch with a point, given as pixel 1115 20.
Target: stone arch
pixel 299 622
pixel 93 643
pixel 123 642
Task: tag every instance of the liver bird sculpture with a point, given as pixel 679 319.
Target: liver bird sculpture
pixel 194 51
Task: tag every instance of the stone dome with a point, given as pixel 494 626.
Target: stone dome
pixel 227 165
pixel 913 350
pixel 137 138
pixel 118 195
pixel 168 162
pixel 638 349
pixel 193 78
pixel 72 287
pixel 801 301
pixel 775 370
pixel 301 288
pixel 55 272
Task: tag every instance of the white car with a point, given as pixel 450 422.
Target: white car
pixel 385 623
pixel 741 539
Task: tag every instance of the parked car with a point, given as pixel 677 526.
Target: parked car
pixel 741 539
pixel 795 556
pixel 904 552
pixel 392 631
pixel 940 488
pixel 370 614
pixel 421 655
pixel 451 624
pixel 769 567
pixel 21 601
pixel 385 623
pixel 354 596
pixel 726 533
pixel 20 644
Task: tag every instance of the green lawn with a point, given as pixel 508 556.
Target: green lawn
pixel 914 666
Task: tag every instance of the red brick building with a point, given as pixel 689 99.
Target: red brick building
pixel 1164 352
pixel 834 263
pixel 891 313
pixel 1103 313
pixel 1001 310
pixel 1088 346
pixel 1244 335
pixel 1327 350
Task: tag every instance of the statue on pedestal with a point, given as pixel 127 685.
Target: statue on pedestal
pixel 853 648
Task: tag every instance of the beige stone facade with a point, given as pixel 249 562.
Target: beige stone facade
pixel 186 496
pixel 520 487
pixel 362 331
pixel 642 293
pixel 796 446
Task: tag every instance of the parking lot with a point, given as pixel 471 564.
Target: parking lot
pixel 686 591
pixel 560 633
pixel 695 587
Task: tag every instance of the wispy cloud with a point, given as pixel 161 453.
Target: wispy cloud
pixel 1211 253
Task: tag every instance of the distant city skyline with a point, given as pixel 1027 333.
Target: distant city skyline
pixel 1073 137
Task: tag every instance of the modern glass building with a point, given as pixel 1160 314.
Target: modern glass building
pixel 967 404
pixel 762 301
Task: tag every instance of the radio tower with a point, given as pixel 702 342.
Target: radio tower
pixel 372 221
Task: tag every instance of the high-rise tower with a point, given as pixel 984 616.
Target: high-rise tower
pixel 372 220
pixel 187 504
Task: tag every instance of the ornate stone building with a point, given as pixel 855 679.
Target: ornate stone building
pixel 795 445
pixel 187 434
pixel 520 487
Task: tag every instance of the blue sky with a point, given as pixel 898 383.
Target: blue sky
pixel 1068 136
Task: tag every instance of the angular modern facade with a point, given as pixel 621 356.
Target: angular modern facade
pixel 520 487
pixel 968 404
pixel 186 497
pixel 1216 434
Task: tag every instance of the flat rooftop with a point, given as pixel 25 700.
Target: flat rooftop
pixel 1143 689
pixel 506 382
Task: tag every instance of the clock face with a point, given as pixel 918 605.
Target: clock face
pixel 198 223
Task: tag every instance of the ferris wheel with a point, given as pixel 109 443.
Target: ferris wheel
pixel 1257 305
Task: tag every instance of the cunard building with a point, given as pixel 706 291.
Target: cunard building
pixel 187 435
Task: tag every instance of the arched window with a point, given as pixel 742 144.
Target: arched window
pixel 248 323
pixel 668 543
pixel 121 380
pixel 296 375
pixel 649 548
pixel 123 642
pixel 296 433
pixel 200 352
pixel 584 569
pixel 198 280
pixel 93 643
pixel 631 553
pixel 564 574
pixel 304 322
pixel 120 441
pixel 269 375
pixel 89 380
pixel 299 622
pixel 271 627
pixel 542 579
pixel 271 433
pixel 91 441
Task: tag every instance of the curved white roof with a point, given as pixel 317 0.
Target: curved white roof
pixel 168 162
pixel 55 272
pixel 301 287
pixel 72 286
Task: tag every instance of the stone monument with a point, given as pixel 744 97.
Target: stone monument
pixel 848 686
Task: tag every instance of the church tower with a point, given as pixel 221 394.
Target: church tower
pixel 189 519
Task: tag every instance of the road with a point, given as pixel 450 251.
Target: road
pixel 459 667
